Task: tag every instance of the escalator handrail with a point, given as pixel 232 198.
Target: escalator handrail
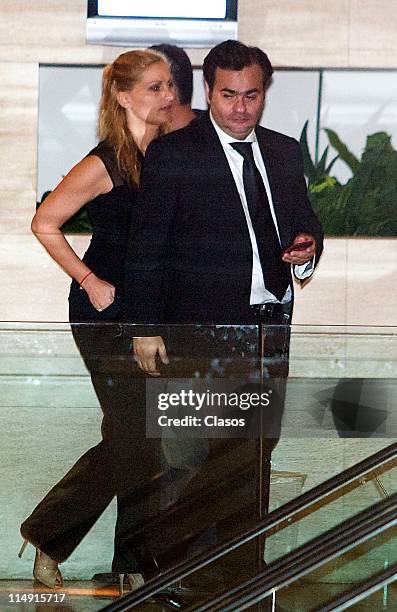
pixel 296 505
pixel 309 549
pixel 361 591
pixel 307 558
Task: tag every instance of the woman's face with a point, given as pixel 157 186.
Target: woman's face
pixel 150 100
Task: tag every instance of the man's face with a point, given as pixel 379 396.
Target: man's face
pixel 237 99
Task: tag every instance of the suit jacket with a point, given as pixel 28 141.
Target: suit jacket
pixel 190 254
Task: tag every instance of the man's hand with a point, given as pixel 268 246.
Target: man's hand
pixel 301 257
pixel 145 351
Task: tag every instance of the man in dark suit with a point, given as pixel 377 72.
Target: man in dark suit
pixel 210 233
pixel 197 254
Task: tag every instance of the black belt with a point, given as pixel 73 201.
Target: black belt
pixel 272 313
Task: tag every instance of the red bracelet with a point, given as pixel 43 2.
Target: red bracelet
pixel 83 279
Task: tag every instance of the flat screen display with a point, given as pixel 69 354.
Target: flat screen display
pixel 140 23
pixel 163 9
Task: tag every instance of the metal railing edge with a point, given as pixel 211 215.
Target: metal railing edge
pixel 307 499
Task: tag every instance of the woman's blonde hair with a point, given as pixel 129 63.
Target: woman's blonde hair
pixel 122 75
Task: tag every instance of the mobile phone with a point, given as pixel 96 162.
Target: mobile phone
pixel 300 246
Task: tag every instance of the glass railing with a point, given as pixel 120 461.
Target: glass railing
pixel 197 456
pixel 293 580
pixel 376 593
pixel 301 559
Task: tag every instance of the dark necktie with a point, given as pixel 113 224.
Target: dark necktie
pixel 276 273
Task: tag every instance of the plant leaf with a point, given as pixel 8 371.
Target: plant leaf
pixel 344 153
pixel 374 140
pixel 331 163
pixel 322 161
pixel 308 165
pixel 360 184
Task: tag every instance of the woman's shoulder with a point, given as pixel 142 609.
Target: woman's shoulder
pixel 107 154
pixel 103 148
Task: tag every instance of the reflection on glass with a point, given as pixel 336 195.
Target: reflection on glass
pixel 199 496
pixel 351 499
pixel 314 590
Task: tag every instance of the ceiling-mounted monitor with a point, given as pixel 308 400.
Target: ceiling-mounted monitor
pixel 140 23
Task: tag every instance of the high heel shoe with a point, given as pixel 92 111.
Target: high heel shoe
pixel 171 598
pixel 134 580
pixel 45 569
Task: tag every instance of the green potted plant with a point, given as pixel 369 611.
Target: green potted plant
pixel 366 205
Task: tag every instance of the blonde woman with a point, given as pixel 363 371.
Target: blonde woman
pixel 135 108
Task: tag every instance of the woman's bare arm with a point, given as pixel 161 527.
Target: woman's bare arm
pixel 88 179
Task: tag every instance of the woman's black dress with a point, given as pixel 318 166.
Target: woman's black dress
pixel 110 215
pixel 124 461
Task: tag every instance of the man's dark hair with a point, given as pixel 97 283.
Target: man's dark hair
pixel 181 70
pixel 234 55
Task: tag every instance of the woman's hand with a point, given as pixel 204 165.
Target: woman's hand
pixel 100 293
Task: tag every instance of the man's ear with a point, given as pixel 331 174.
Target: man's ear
pixel 207 93
pixel 123 99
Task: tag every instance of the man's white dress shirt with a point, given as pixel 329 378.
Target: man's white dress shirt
pixel 259 293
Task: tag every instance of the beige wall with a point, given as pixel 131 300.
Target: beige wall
pixel 308 33
pixel 345 33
